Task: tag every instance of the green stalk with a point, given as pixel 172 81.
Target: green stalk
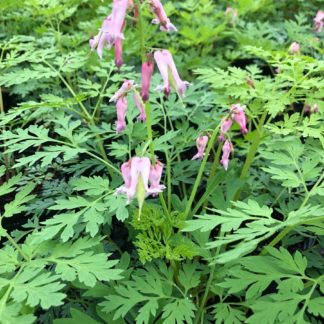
pixel 252 151
pixel 147 104
pixel 99 101
pixel 168 170
pixel 200 172
pixel 141 31
pixel 209 282
pixel 12 241
pixel 212 173
pixel 149 130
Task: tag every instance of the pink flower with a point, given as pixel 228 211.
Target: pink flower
pixel 201 143
pixel 318 21
pixel 294 48
pixel 277 70
pixel 155 177
pixel 226 124
pixel 126 174
pixel 118 52
pixel 309 110
pixel 232 13
pixel 121 107
pixel 110 32
pixel 239 117
pixel 118 17
pixel 227 149
pixel 147 72
pixel 160 16
pixel 140 106
pixel 169 73
pixel 102 39
pixel 127 86
pixel 137 173
pixel 315 108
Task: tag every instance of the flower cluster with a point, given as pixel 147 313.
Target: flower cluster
pixel 237 115
pixel 120 97
pixel 111 32
pixel 141 178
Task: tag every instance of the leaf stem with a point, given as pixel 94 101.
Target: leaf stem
pixel 12 241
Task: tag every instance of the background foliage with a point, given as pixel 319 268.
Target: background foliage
pixel 247 248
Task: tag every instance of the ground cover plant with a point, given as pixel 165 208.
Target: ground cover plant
pixel 161 161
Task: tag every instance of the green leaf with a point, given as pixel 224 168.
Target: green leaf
pixel 17 205
pixel 189 276
pixel 179 311
pixel 36 287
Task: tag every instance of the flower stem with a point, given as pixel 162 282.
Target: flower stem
pixel 200 172
pixel 252 151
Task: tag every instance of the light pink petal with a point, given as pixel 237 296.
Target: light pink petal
pixel 162 64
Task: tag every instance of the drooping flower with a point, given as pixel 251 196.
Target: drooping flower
pixel 227 149
pixel 140 106
pixel 201 143
pixel 294 48
pixel 239 117
pixel 318 21
pixel 169 73
pixel 147 72
pixel 161 17
pixel 126 174
pixel 127 86
pixel 118 17
pixel 110 34
pixel 137 173
pixel 102 39
pixel 226 124
pixel 121 107
pixel 155 177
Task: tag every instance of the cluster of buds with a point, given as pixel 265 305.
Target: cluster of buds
pixel 318 21
pixel 120 97
pixel 311 110
pixel 141 179
pixel 237 115
pixel 111 32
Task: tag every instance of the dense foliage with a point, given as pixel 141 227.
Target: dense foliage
pixel 234 236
